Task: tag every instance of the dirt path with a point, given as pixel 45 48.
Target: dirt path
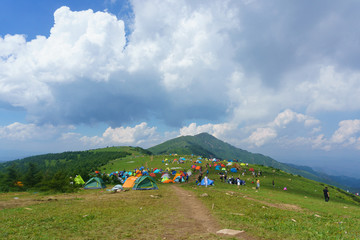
pixel 201 216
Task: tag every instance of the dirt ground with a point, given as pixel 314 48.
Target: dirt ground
pixel 201 216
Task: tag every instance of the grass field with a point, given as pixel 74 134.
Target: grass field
pixel 265 213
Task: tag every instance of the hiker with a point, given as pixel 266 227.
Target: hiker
pixel 326 194
pixel 206 180
pixel 257 183
pixel 273 183
pixel 238 181
pixel 199 178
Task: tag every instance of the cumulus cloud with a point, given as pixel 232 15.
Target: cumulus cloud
pixel 347 131
pixel 217 130
pixel 279 125
pixel 134 136
pixel 25 132
pixel 262 135
pixel 237 64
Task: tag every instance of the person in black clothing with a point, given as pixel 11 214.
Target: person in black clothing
pixel 326 194
pixel 200 177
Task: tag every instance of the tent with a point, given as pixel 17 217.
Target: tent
pixel 179 177
pixel 251 169
pixel 78 180
pixel 95 183
pixel 165 175
pixel 129 183
pixel 145 183
pixel 165 179
pixel 117 187
pixel 209 182
pixel 233 170
pixel 217 167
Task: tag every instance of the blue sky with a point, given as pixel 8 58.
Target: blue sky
pixel 279 78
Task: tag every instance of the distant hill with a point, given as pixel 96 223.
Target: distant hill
pixel 208 146
pixel 77 162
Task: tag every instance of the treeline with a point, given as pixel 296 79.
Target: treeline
pixel 52 171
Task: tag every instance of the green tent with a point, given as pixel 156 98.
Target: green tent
pixel 145 183
pixel 78 180
pixel 95 183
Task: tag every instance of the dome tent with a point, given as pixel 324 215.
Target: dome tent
pixel 145 183
pixel 95 183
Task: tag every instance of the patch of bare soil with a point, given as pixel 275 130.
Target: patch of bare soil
pixel 199 218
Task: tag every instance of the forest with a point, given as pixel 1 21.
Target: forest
pixel 54 172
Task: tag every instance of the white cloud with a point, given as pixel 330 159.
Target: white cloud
pixel 261 136
pixel 287 116
pixel 217 130
pixel 330 89
pixel 278 127
pixel 29 132
pixel 140 135
pixel 347 130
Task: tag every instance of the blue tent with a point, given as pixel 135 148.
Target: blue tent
pixel 233 170
pixel 218 167
pixel 209 182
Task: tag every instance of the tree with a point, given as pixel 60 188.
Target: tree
pixel 32 177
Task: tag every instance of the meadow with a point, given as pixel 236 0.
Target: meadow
pixel 270 212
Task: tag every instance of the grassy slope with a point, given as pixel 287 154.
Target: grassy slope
pixel 298 213
pixel 207 145
pixel 274 213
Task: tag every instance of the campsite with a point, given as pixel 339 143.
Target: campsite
pixel 148 208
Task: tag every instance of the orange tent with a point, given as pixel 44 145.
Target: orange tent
pixel 130 182
pixel 198 168
pixel 168 181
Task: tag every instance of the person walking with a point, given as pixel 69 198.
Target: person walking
pixel 206 180
pixel 257 184
pixel 326 194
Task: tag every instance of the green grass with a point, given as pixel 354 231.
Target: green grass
pixel 270 212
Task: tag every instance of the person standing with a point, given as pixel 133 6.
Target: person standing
pixel 326 194
pixel 206 180
pixel 257 184
pixel 200 178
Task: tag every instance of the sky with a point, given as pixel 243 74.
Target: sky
pixel 280 78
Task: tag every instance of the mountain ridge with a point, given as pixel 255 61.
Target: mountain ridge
pixel 206 145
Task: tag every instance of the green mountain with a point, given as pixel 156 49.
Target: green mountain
pixel 208 146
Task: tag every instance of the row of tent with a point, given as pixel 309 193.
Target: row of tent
pixel 136 183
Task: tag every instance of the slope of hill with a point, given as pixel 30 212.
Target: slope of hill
pixel 72 162
pixel 208 146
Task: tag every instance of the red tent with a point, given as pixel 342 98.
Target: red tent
pixel 251 169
